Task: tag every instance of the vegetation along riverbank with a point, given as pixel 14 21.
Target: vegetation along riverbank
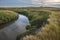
pixel 38 19
pixel 7 16
pixel 44 23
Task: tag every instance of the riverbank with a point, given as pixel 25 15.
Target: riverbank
pixel 7 16
pixel 37 20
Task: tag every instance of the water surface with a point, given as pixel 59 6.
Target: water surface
pixel 11 31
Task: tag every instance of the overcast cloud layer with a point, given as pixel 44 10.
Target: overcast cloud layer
pixel 25 3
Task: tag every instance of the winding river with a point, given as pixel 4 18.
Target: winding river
pixel 11 31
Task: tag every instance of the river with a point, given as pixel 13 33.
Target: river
pixel 11 31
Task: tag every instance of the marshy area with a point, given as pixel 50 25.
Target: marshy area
pixel 27 21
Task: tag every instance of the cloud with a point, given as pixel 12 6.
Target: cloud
pixel 36 1
pixel 14 3
pixel 45 2
pixel 52 0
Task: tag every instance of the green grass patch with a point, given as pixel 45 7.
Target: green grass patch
pixel 7 16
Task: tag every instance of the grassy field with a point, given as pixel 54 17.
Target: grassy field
pixel 7 16
pixel 50 31
pixel 45 19
pixel 36 18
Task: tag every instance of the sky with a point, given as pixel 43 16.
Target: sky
pixel 29 3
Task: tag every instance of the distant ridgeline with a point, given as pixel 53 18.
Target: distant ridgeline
pixel 7 16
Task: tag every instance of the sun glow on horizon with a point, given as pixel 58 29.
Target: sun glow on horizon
pixel 52 0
